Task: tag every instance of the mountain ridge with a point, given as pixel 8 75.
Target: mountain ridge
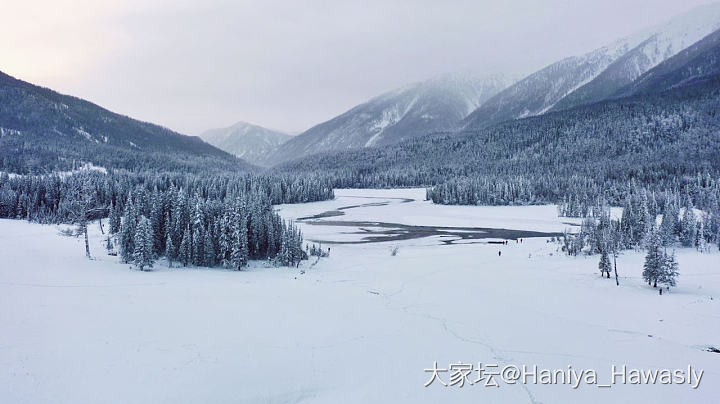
pixel 37 121
pixel 437 104
pixel 245 140
pixel 596 75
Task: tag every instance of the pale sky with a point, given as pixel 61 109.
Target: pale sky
pixel 288 65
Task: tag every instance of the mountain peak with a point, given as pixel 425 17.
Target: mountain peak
pixel 598 74
pixel 246 140
pixel 414 110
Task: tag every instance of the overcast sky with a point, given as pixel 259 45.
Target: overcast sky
pixel 195 65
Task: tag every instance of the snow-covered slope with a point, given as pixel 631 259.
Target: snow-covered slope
pixel 247 141
pixel 701 61
pixel 596 75
pixel 665 42
pixel 359 326
pixel 42 130
pixel 438 104
pixel 537 93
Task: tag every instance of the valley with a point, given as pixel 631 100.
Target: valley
pixel 83 330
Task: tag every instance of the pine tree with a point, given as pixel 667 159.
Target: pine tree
pixel 224 241
pixel 78 206
pixel 197 254
pixel 604 264
pixel 114 220
pixel 127 232
pixel 244 244
pixel 143 256
pixel 668 224
pixel 209 250
pixel 688 225
pixel 158 223
pixel 669 271
pixel 700 237
pixel 240 249
pixel 185 250
pixel 653 259
pixel 283 256
pixel 169 250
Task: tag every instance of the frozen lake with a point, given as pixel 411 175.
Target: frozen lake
pixel 359 326
pixel 375 232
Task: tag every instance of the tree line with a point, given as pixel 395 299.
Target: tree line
pixel 656 223
pixel 602 151
pixel 188 219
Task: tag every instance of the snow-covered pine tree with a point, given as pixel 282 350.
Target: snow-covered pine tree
pixel 157 220
pixel 78 206
pixel 628 225
pixel 283 256
pixel 700 237
pixel 224 241
pixel 185 250
pixel 197 253
pixel 669 223
pixel 604 265
pixel 169 250
pixel 653 208
pixel 114 220
pixel 688 225
pixel 127 231
pixel 669 271
pixel 654 258
pixel 244 244
pixel 143 256
pixel 208 250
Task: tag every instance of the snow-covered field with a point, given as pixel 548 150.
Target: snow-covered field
pixel 360 326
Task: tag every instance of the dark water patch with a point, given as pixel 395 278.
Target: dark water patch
pixel 375 232
pixel 339 211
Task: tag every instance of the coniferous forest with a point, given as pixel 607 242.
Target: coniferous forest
pixel 658 142
pixel 188 219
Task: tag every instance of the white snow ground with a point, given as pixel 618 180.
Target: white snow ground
pixel 358 327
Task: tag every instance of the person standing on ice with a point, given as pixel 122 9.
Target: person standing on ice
pixel 499 253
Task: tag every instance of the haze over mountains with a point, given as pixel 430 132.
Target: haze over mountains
pixel 664 132
pixel 596 75
pixel 699 62
pixel 438 104
pixel 42 130
pixel 246 141
pixel 39 127
pixel 472 101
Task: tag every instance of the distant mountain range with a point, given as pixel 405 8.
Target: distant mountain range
pixel 246 141
pixel 470 102
pixel 698 63
pixel 438 104
pixel 42 130
pixel 597 75
pixel 662 132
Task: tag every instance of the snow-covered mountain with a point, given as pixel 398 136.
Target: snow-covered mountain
pixel 438 104
pixel 247 141
pixel 537 93
pixel 665 42
pixel 42 130
pixel 596 75
pixel 699 62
